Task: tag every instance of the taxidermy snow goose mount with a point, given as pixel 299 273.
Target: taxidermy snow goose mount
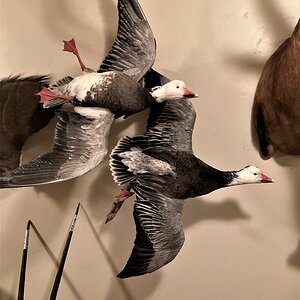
pixel 160 168
pixel 80 141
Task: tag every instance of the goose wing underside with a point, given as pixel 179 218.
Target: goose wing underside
pixel 159 231
pixel 134 48
pixel 80 144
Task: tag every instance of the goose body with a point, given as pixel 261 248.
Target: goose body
pixel 98 97
pixel 114 90
pixel 162 171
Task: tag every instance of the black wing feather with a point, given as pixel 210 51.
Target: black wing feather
pixel 134 49
pixel 159 231
pixel 171 124
pixel 153 78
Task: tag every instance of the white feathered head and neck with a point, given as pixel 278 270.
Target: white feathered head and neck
pixel 173 90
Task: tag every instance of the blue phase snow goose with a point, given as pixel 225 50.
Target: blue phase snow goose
pixel 160 168
pixel 80 141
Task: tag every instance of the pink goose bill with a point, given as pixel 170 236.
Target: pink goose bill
pixel 266 179
pixel 189 94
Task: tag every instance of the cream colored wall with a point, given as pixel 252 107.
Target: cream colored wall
pixel 241 242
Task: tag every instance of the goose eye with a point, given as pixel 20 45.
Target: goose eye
pixel 255 174
pixel 177 86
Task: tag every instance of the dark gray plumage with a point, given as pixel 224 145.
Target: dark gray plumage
pixel 134 49
pixel 159 231
pixel 122 95
pixel 163 172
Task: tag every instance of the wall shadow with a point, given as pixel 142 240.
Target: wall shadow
pixel 4 295
pixel 109 14
pixel 294 258
pixel 56 262
pixel 199 210
pixel 271 14
pixel 146 284
pixel 65 18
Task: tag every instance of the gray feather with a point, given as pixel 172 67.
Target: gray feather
pixel 61 82
pixel 134 49
pixel 159 229
pixel 157 213
pixel 80 144
pixel 173 126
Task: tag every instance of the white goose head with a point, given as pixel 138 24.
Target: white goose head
pixel 250 174
pixel 173 90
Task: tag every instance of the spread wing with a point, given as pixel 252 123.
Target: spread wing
pixel 159 231
pixel 134 49
pixel 169 124
pixel 80 144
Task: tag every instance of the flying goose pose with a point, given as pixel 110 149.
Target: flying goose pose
pixel 160 168
pixel 80 141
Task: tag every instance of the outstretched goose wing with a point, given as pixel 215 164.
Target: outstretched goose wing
pixel 159 231
pixel 134 49
pixel 169 124
pixel 80 144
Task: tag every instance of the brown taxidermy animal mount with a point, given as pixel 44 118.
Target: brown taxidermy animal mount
pixel 21 116
pixel 276 109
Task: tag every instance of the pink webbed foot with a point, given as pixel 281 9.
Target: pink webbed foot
pixel 124 194
pixel 48 96
pixel 70 46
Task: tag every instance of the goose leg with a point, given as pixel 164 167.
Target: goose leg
pixel 124 194
pixel 70 46
pixel 49 99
